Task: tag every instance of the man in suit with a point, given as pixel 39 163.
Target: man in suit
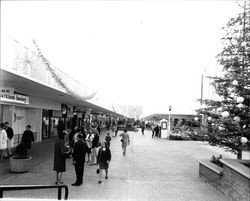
pixel 80 150
pixel 10 135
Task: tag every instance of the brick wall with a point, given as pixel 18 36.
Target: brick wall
pixel 235 185
pixel 232 183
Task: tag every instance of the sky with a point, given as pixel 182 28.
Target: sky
pixel 146 53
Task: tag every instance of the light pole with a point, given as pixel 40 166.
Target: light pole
pixel 169 109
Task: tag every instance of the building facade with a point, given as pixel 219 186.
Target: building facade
pixel 32 92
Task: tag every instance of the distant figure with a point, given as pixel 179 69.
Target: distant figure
pixel 75 138
pixel 95 142
pixel 153 130
pixel 79 153
pixel 108 139
pixel 88 140
pixel 99 129
pixel 10 135
pixel 60 127
pixel 125 141
pixel 59 159
pixel 113 130
pixel 3 141
pixel 28 137
pixel 103 159
pixel 142 129
pixel 156 131
pixel 71 136
pixel 159 131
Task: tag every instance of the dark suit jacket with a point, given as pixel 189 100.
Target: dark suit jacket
pixel 80 150
pixel 10 132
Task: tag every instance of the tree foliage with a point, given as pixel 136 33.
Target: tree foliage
pixel 233 87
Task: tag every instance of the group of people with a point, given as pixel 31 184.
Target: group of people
pixel 81 144
pixel 6 139
pixel 78 144
pixel 156 131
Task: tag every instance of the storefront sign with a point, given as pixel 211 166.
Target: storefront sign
pixel 6 90
pixel 56 113
pixel 8 95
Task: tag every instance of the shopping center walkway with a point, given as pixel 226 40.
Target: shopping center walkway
pixel 154 169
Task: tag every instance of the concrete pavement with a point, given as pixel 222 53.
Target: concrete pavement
pixel 154 169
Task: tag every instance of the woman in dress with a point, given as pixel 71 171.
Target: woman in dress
pixel 125 141
pixel 103 159
pixel 59 159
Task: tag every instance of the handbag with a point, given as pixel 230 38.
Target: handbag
pixel 67 152
pixel 97 171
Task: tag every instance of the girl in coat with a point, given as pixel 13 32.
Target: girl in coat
pixel 103 160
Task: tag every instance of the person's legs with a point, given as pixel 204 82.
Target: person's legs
pixel 57 177
pixel 122 149
pixel 8 150
pixel 92 157
pixel 106 171
pixel 96 155
pixel 88 155
pixel 81 171
pixel 100 176
pixel 77 173
pixel 124 152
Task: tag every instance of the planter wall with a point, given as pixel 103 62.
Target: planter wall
pixel 20 165
pixel 233 180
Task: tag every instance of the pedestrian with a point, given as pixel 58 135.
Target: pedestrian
pixel 89 144
pixel 71 136
pixel 60 127
pixel 84 133
pixel 153 130
pixel 116 130
pixel 142 129
pixel 113 130
pixel 125 141
pixel 104 157
pixel 79 153
pixel 157 130
pixel 10 135
pixel 28 137
pixel 75 138
pixel 98 129
pixel 3 141
pixel 59 159
pixel 95 142
pixel 108 139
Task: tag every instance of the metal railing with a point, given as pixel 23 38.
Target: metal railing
pixel 28 187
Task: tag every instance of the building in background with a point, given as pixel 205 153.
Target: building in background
pixel 131 111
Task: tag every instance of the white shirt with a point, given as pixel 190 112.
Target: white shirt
pixel 3 139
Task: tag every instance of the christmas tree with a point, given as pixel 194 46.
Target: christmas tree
pixel 227 119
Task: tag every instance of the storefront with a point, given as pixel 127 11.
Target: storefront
pixel 15 109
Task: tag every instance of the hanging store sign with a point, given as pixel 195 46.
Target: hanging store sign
pixel 8 95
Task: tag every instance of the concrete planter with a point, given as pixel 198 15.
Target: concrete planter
pixel 232 179
pixel 18 165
